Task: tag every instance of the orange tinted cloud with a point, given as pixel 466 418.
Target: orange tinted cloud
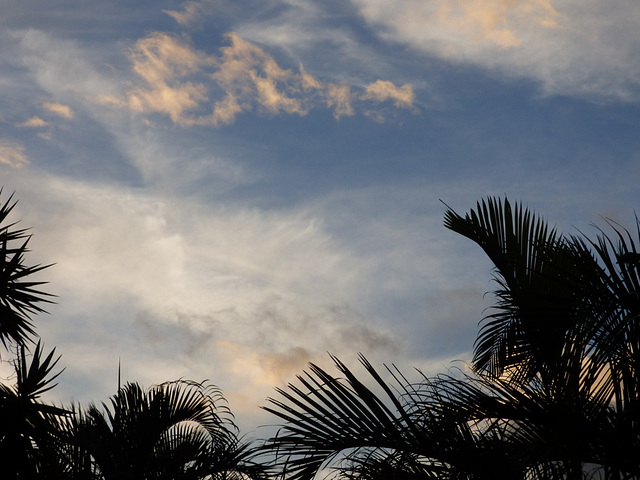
pixel 382 90
pixel 163 61
pixel 339 98
pixel 59 109
pixel 248 77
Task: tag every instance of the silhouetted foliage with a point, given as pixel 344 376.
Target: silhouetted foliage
pixel 27 425
pixel 19 297
pixel 553 392
pixel 176 430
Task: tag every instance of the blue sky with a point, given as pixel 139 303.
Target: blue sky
pixel 230 190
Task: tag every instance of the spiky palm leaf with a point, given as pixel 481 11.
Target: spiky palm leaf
pixel 27 425
pixel 19 297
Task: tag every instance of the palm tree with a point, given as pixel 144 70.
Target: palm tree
pixel 27 425
pixel 554 390
pixel 176 430
pixel 25 422
pixel 19 298
pixel 568 316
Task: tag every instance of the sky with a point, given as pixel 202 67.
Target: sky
pixel 232 189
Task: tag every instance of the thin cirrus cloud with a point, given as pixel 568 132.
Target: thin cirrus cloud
pixel 189 15
pixel 181 82
pixel 200 285
pixel 12 154
pixel 572 47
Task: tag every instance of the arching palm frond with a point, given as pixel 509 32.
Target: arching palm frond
pixel 175 430
pixel 342 427
pixel 555 392
pixel 536 272
pixel 327 417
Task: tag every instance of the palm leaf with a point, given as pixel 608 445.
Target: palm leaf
pixel 18 298
pixel 537 272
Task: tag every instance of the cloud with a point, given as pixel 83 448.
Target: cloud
pixel 280 367
pixel 59 109
pixel 64 71
pixel 339 97
pixel 457 23
pixel 12 154
pixel 165 280
pixel 247 77
pixel 163 61
pixel 246 71
pixel 192 13
pixel 574 47
pixel 383 90
pixel 34 122
pixel 493 21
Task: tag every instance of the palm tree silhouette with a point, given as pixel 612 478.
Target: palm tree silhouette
pixel 19 297
pixel 553 391
pixel 27 425
pixel 175 430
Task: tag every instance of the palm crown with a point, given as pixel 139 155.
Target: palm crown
pixel 553 391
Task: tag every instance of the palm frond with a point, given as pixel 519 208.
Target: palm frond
pixel 19 298
pixel 178 429
pixel 539 274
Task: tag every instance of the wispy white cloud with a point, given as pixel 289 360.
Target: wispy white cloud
pixel 12 154
pixel 172 281
pixel 66 73
pixel 570 47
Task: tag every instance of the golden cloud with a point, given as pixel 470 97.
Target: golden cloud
pixel 265 369
pixel 454 26
pixel 163 61
pixel 382 90
pixel 249 78
pixel 339 97
pixel 59 109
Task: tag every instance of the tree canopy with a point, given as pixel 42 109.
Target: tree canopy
pixel 552 391
pixel 553 386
